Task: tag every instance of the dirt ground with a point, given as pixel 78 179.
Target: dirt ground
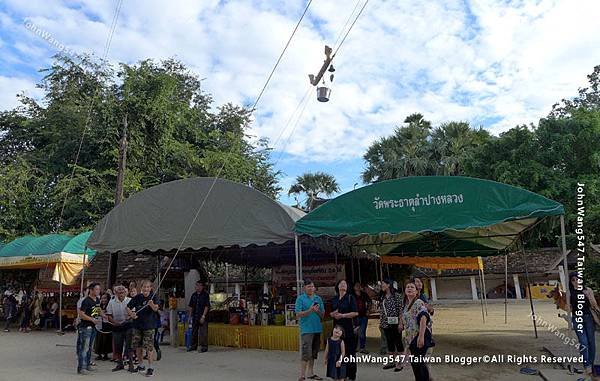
pixel 458 330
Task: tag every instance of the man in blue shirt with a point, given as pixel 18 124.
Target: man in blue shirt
pixel 309 310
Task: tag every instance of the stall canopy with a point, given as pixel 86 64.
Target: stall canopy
pixel 66 253
pixel 233 217
pixel 430 216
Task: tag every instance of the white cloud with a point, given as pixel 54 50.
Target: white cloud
pixel 449 60
pixel 11 87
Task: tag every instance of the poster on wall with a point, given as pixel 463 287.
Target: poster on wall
pixel 290 315
pixel 323 275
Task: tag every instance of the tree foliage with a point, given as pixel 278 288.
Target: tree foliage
pixel 174 131
pixel 312 185
pixel 549 158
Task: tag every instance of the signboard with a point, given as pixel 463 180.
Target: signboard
pixel 290 315
pixel 322 275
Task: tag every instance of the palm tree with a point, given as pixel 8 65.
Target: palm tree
pixel 313 184
pixel 453 144
pixel 406 153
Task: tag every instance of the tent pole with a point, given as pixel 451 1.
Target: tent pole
pixel 83 271
pixel 484 291
pixel 336 267
pixel 297 265
pixel 359 277
pixel 529 287
pixel 566 277
pixel 60 297
pixel 505 288
pixel 481 297
pixel 300 259
pixel 297 283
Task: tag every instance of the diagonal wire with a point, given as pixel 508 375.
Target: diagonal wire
pixel 218 174
pixel 280 56
pixel 351 26
pixel 89 114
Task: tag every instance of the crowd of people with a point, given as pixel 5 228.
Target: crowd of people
pixel 405 323
pixel 29 310
pixel 123 322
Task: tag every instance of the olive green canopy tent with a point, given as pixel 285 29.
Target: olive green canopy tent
pixel 431 216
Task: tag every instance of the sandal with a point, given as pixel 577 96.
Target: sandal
pixel 315 377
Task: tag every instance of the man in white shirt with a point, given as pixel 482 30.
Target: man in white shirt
pixel 116 311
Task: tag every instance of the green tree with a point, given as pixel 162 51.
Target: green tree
pixel 416 149
pixel 312 185
pixel 173 129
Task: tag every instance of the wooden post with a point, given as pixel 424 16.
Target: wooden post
pixel 114 257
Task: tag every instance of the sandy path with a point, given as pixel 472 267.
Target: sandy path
pixel 458 330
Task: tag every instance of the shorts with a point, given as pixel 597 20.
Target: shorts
pixel 143 338
pixel 311 343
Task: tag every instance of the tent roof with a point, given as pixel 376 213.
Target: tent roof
pixel 28 246
pixel 453 215
pixel 158 218
pixel 31 252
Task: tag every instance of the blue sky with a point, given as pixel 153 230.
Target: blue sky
pixel 491 63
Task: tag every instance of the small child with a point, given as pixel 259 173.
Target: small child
pixel 334 354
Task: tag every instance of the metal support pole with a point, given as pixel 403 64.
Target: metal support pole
pixel 60 298
pixel 529 288
pixel 300 260
pixel 297 265
pixel 296 249
pixel 336 267
pixel 481 296
pixel 359 275
pixel 567 281
pixel 484 295
pixel 505 288
pixel 83 271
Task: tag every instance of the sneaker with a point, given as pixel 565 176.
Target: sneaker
pixel 140 368
pixel 81 371
pixel 6 330
pixel 90 369
pixel 149 372
pixel 132 369
pixel 203 350
pixel 118 368
pixel 389 366
pixel 364 351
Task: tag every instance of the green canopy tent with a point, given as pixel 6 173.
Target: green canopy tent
pixel 432 216
pixel 68 254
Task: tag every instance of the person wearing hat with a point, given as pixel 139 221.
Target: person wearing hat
pixel 10 309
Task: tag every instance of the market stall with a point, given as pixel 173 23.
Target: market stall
pixel 206 219
pixel 433 216
pixel 54 259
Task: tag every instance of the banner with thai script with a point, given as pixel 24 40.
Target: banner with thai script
pixel 322 275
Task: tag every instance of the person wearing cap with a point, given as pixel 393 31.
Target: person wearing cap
pixel 309 312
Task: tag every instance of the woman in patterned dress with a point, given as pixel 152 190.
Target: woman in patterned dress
pixel 416 322
pixel 391 305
